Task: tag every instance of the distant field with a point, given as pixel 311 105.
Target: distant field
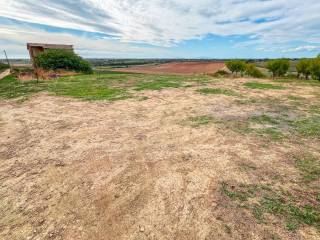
pixel 177 68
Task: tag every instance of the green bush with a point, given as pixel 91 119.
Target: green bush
pixel 278 67
pixel 315 68
pixel 220 73
pixel 3 66
pixel 55 59
pixel 253 71
pixel 304 67
pixel 236 66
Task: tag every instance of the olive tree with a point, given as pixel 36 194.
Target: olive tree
pixel 253 71
pixel 304 67
pixel 315 68
pixel 278 67
pixel 236 66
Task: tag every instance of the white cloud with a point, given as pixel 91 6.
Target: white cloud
pixel 308 48
pixel 167 22
pixel 15 39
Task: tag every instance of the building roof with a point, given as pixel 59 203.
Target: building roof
pixel 50 46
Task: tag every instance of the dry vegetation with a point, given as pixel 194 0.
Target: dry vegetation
pixel 176 157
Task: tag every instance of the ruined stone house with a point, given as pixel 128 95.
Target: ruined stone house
pixel 36 48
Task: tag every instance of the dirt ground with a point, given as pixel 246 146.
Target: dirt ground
pixel 4 73
pixel 132 169
pixel 177 68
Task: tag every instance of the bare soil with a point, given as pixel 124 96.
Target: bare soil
pixel 177 68
pixel 4 73
pixel 131 169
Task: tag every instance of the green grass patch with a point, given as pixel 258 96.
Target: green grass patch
pixel 217 91
pixel 200 120
pixel 309 167
pixel 235 194
pixel 271 133
pixel 294 215
pixel 264 119
pixel 308 127
pixel 103 85
pixel 86 89
pixel 10 87
pixel 295 98
pixel 257 85
pixel 157 85
pixel 314 109
pixel 293 209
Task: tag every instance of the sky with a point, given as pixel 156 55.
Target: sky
pixel 164 28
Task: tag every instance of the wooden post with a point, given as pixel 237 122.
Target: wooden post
pixel 5 53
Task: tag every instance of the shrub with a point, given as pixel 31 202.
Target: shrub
pixel 253 71
pixel 220 73
pixel 304 68
pixel 55 59
pixel 278 67
pixel 236 66
pixel 3 66
pixel 315 68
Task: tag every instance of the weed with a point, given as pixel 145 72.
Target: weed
pixel 200 120
pixel 143 98
pixel 309 166
pixel 293 214
pixel 256 85
pixel 309 127
pixel 227 229
pixel 272 133
pixel 285 205
pixel 264 119
pixel 227 190
pixel 216 91
pixel 295 98
pixel 257 212
pixel 314 109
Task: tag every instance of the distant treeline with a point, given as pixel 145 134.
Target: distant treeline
pixel 309 68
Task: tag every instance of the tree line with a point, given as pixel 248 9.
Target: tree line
pixel 306 68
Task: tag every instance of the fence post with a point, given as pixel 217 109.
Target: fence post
pixel 5 53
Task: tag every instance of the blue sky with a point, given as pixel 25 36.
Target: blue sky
pixel 165 28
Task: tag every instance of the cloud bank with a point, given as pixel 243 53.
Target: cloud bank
pixel 167 23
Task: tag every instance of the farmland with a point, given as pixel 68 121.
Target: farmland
pixel 178 68
pixel 118 155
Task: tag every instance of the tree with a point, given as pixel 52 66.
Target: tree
pixel 253 71
pixel 315 68
pixel 236 66
pixel 278 67
pixel 55 59
pixel 304 67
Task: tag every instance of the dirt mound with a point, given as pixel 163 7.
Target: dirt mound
pixel 178 68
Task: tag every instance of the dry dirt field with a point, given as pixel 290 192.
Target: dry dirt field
pixel 176 163
pixel 177 68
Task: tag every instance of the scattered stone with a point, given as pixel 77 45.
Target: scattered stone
pixel 60 164
pixel 141 228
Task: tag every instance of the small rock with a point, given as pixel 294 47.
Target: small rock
pixel 141 228
pixel 186 157
pixel 60 164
